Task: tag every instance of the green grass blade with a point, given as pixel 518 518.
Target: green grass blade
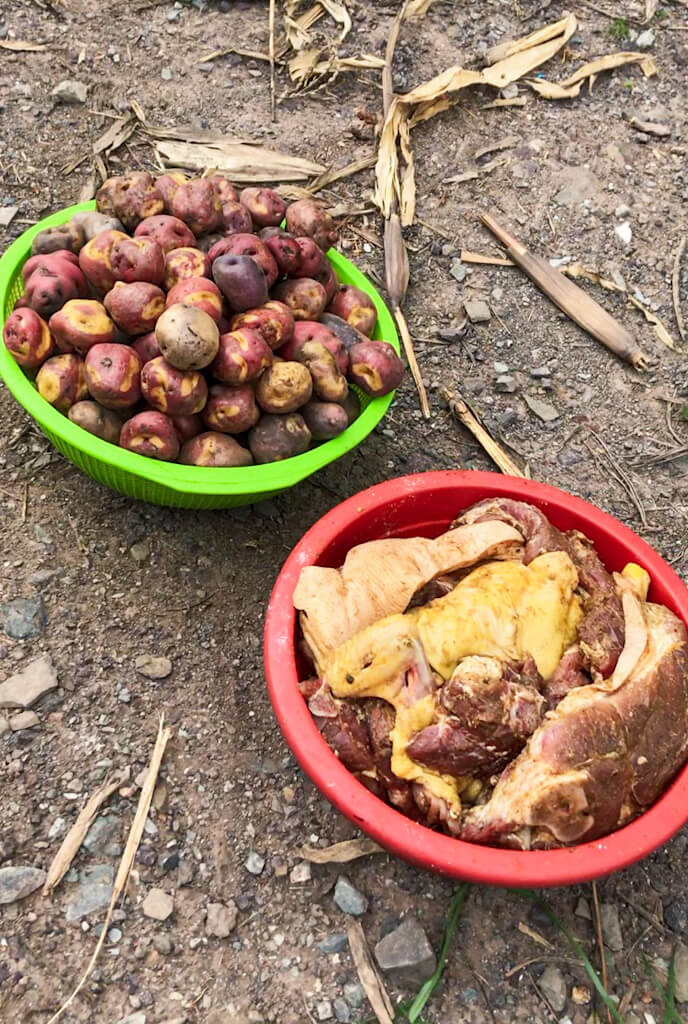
pixel 417 1006
pixel 668 994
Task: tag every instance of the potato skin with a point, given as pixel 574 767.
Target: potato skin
pixel 354 306
pixel 169 232
pixel 272 320
pixel 306 217
pixel 347 334
pixel 352 406
pixel 312 330
pixel 113 375
pixel 243 355
pixel 28 338
pixel 63 236
pixel 330 282
pixel 285 250
pixel 236 219
pixel 314 262
pixel 95 259
pixel 51 280
pixel 97 420
pixel 224 190
pixel 167 185
pixel 152 434
pixel 197 203
pixel 130 197
pixel 61 380
pixel 241 281
pixel 187 427
pixel 214 449
pixel 284 388
pixel 375 367
pixel 305 297
pixel 246 244
pixel 265 205
pixel 172 391
pixel 92 223
pixel 275 438
pixel 135 307
pixel 325 420
pixel 199 292
pixel 329 384
pixel 188 338
pixel 138 259
pixel 80 324
pixel 146 347
pixel 231 410
pixel 186 261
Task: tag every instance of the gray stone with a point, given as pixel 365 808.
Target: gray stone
pixel 139 551
pixel 300 873
pixel 354 994
pixel 348 898
pixel 220 920
pixel 538 372
pixel 166 74
pixel 163 944
pixel 544 411
pixel 24 688
pixel 324 1010
pixel 4 725
pixel 500 368
pixel 24 720
pixel 158 905
pixel 70 91
pixel 341 1011
pixel 458 270
pixel 333 943
pixel 42 576
pixel 624 233
pixel 94 892
pixel 101 833
pixel 509 92
pixel 134 1018
pixel 676 916
pixel 152 667
pixel 477 311
pixel 622 211
pixel 646 39
pixel 406 955
pixel 255 863
pixel 18 882
pixel 577 184
pixel 583 909
pixel 114 935
pixel 611 927
pixel 505 384
pixel 681 973
pixel 23 617
pixel 553 986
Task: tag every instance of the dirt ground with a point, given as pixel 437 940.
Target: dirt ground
pixel 119 579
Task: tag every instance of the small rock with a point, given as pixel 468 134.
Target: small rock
pixel 254 863
pixel 505 384
pixel 324 1010
pixel 676 916
pixel 101 833
pixel 583 909
pixel 114 935
pixel 23 617
pixel 578 184
pixel 185 874
pixel 452 334
pixel 57 828
pixel 18 882
pixel 134 1018
pixel 42 576
pixel 508 419
pixel 333 943
pixel 169 862
pixel 545 411
pixel 220 919
pixel 622 211
pixel 538 372
pixel 24 688
pixel 624 233
pixel 4 725
pixel 24 720
pixel 553 987
pixel 458 270
pixel 341 1011
pixel 139 551
pixel 406 955
pixel 500 368
pixel 645 40
pixel 158 904
pixel 611 927
pixel 354 994
pixel 681 973
pixel 349 899
pixel 163 944
pixel 94 892
pixel 300 873
pixel 151 667
pixel 70 91
pixel 166 74
pixel 509 92
pixel 477 311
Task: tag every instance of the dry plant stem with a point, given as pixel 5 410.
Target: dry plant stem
pixel 340 853
pixel 477 257
pixel 600 941
pixel 402 327
pixel 370 979
pixel 571 299
pixel 74 838
pixel 465 415
pixel 675 286
pixel 535 936
pixel 271 52
pixel 128 856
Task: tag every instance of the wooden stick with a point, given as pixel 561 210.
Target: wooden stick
pixel 370 979
pixel 128 856
pixel 412 361
pixel 675 286
pixel 571 299
pixel 600 942
pixel 492 261
pixel 465 415
pixel 271 53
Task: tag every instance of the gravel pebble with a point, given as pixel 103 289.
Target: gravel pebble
pixel 348 898
pixel 158 905
pixel 255 863
pixel 19 881
pixel 553 986
pixel 611 927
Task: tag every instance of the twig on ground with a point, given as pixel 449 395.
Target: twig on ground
pixel 535 936
pixel 623 478
pixel 465 415
pixel 271 51
pixel 538 960
pixel 675 285
pixel 340 853
pixel 370 979
pixel 600 941
pixel 25 505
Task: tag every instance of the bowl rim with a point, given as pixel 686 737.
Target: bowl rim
pixel 407 839
pixel 257 479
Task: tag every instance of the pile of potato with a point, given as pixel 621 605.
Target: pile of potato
pixel 181 322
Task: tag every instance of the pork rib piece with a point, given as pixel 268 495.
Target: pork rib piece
pixel 602 757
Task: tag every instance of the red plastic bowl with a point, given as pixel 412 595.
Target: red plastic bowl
pixel 424 505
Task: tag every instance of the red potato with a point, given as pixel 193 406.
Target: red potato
pixel 236 219
pixel 28 338
pixel 199 292
pixel 94 418
pixel 246 244
pixel 146 347
pixel 113 375
pixel 175 392
pixel 185 262
pixel 52 279
pixel 284 388
pixel 285 250
pixel 242 356
pixel 167 185
pixel 329 281
pixel 305 297
pixel 63 236
pixel 241 281
pixel 224 189
pixel 265 205
pixel 169 232
pixel 314 262
pixel 61 380
pixel 95 259
pixel 306 217
pixel 188 338
pixel 213 449
pixel 138 259
pixel 152 434
pixel 80 324
pixel 329 384
pixel 325 420
pixel 311 330
pixel 231 410
pixel 130 197
pixel 354 306
pixel 206 242
pixel 272 320
pixel 347 334
pixel 275 438
pixel 375 367
pixel 187 427
pixel 135 307
pixel 92 223
pixel 352 406
pixel 197 203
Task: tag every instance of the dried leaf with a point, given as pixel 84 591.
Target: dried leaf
pixel 652 318
pixel 464 414
pixel 418 8
pixel 340 853
pixel 517 101
pixel 476 172
pixel 396 261
pixel 553 91
pixel 185 133
pixel 340 14
pixel 407 192
pixel 524 60
pixel 676 288
pixel 541 35
pixel 535 936
pixel 323 180
pixel 116 135
pixel 297 29
pixel 22 46
pixel 508 142
pixel 241 162
pixel 370 979
pixel 606 63
pixel 88 189
pixel 662 131
pixel 651 9
pixel 7 215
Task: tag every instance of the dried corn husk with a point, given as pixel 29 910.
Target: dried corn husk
pixel 241 162
pixel 418 8
pixel 22 45
pixel 571 86
pixel 540 36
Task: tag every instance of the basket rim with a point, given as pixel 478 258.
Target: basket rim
pixel 256 479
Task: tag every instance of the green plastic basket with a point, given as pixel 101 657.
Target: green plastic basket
pixel 169 483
